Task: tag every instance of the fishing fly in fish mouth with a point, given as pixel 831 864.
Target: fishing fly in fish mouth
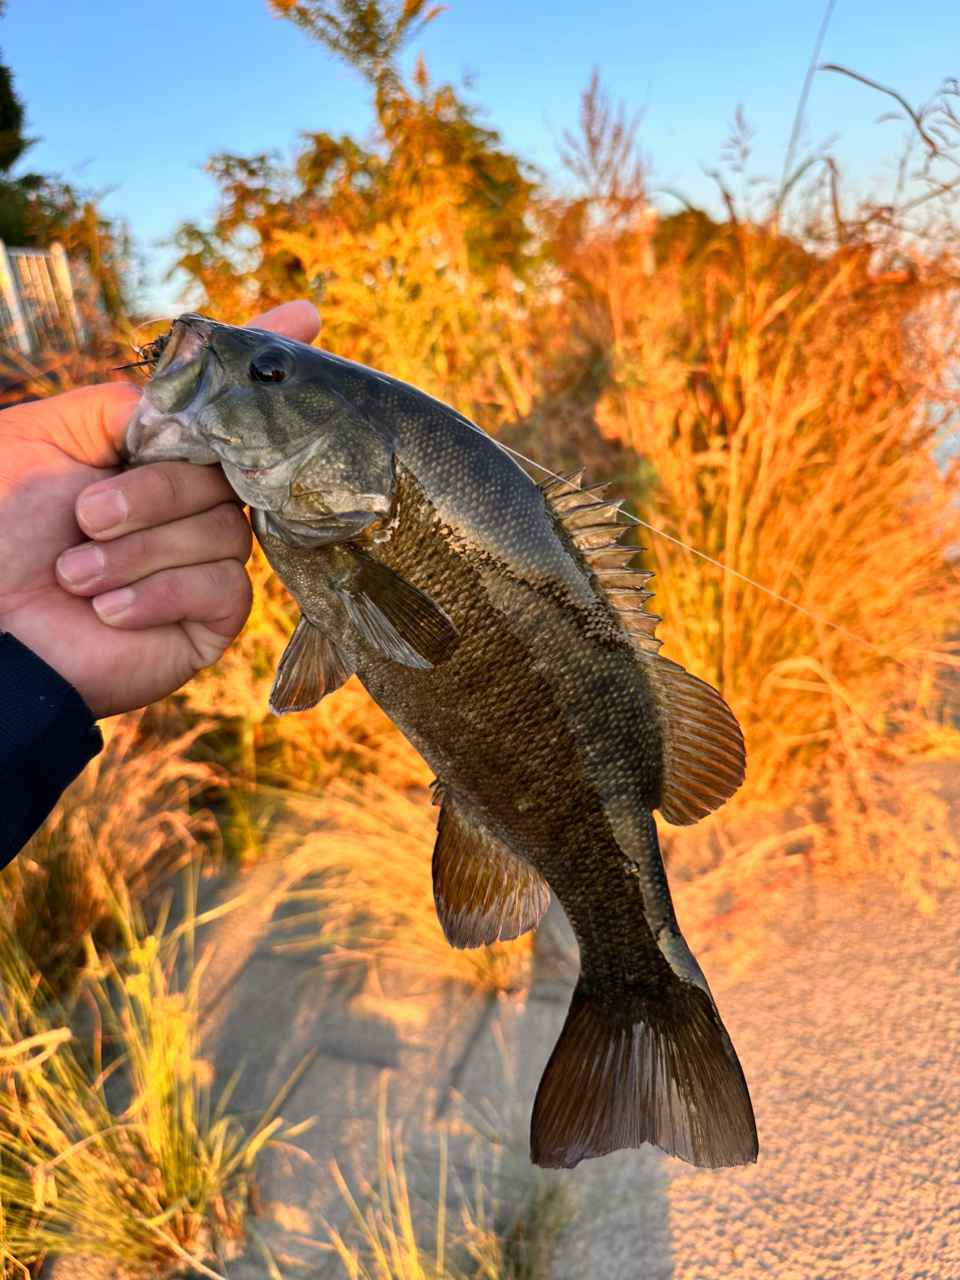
pixel 499 624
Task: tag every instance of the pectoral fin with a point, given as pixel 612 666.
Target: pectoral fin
pixel 483 891
pixel 393 614
pixel 311 666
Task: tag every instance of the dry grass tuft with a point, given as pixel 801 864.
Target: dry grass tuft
pixel 160 1178
pixel 125 823
pixel 511 1239
pixel 363 890
pixel 788 417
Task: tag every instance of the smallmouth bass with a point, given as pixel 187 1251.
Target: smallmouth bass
pixel 498 624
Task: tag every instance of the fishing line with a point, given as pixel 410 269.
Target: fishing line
pixel 835 626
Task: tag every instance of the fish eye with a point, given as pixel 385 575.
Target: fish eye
pixel 271 365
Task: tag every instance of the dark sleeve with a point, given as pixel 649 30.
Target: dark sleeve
pixel 47 735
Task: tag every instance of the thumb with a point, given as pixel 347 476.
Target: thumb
pixel 87 424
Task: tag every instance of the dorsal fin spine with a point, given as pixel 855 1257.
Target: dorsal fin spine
pixel 628 579
pixel 592 513
pixel 593 526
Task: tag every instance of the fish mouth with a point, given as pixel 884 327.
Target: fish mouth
pixel 189 337
pixel 187 378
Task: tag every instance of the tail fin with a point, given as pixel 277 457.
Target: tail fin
pixel 669 1076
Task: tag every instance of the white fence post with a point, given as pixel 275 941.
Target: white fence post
pixel 18 333
pixel 61 272
pixel 38 304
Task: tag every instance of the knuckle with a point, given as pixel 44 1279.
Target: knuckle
pixel 173 487
pixel 230 524
pixel 167 591
pixel 228 596
pixel 154 492
pixel 128 552
pixel 125 559
pixel 226 580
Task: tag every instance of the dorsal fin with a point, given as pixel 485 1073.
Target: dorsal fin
pixel 704 756
pixel 592 526
pixel 483 890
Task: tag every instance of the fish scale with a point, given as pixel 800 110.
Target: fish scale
pixel 498 624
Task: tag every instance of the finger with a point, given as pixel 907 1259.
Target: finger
pixel 87 424
pixel 299 320
pixel 222 533
pixel 152 495
pixel 211 601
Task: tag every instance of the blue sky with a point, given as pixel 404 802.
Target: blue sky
pixel 131 98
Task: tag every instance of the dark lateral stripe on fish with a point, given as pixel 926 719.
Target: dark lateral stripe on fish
pixel 668 1075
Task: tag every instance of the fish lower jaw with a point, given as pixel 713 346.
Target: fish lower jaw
pixel 270 522
pixel 156 436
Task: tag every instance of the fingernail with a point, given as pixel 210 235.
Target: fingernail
pixel 81 564
pixel 102 511
pixel 113 602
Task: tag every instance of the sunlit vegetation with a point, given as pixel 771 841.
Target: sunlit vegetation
pixel 125 824
pixel 110 1144
pixel 493 1236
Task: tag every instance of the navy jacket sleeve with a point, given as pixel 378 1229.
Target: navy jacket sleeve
pixel 47 735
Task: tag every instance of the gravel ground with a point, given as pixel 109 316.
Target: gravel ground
pixel 846 1020
pixel 851 1045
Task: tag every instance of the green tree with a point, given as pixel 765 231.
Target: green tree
pixel 12 119
pixel 15 193
pixel 36 210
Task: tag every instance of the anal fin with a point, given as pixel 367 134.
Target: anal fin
pixel 311 667
pixel 662 1071
pixel 483 891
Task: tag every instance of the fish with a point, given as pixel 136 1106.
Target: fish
pixel 500 624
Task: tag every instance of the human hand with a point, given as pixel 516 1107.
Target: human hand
pixel 159 591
